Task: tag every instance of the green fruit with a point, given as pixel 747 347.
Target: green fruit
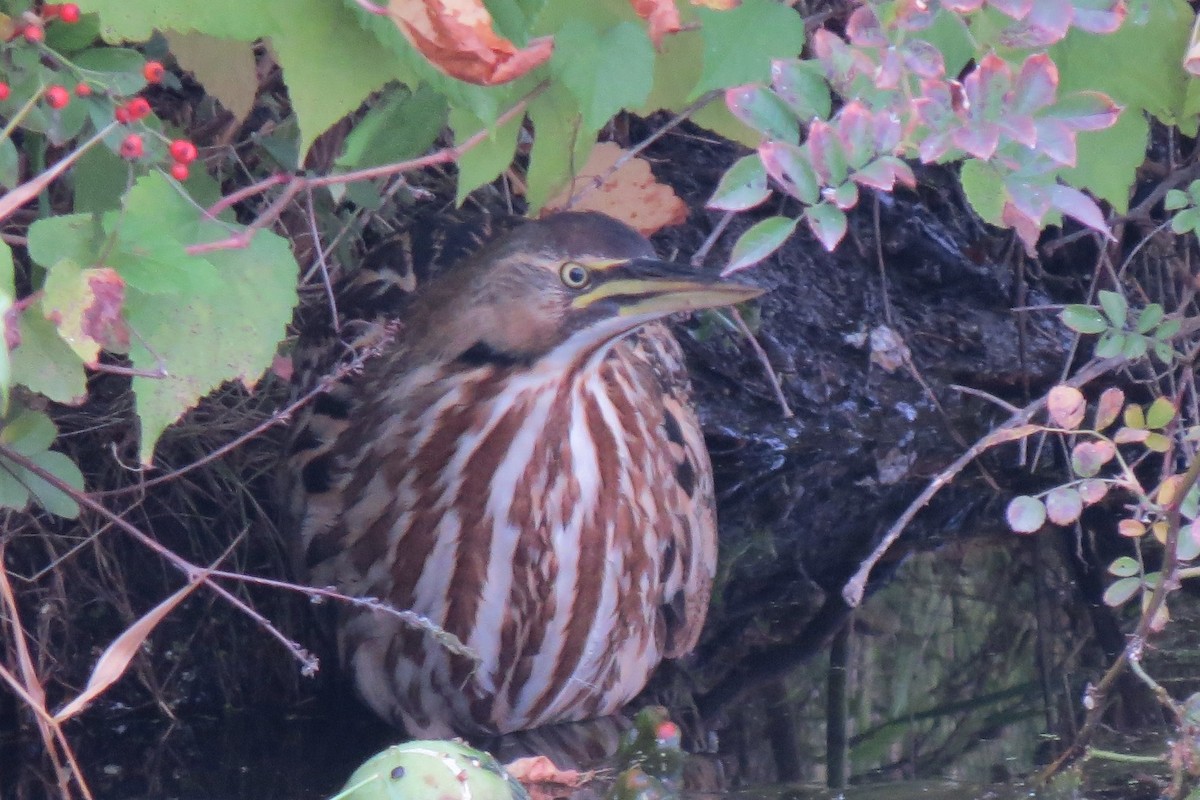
pixel 431 770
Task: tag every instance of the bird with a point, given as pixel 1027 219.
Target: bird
pixel 520 464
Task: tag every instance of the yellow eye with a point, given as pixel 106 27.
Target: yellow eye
pixel 575 275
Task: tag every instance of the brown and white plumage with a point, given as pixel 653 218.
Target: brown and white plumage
pixel 522 466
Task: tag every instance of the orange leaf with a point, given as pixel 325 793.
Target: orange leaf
pixel 630 194
pixel 457 38
pixel 662 15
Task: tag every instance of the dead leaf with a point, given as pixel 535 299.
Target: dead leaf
pixel 457 37
pixel 718 5
pixel 115 659
pixel 545 781
pixel 661 15
pixel 630 194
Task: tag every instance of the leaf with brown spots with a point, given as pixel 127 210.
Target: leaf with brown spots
pixel 629 193
pixel 85 305
pixel 457 37
pixel 661 15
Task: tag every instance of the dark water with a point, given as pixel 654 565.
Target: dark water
pixel 957 675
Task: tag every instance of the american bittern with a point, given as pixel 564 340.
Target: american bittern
pixel 521 465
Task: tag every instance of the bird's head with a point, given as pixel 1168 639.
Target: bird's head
pixel 568 284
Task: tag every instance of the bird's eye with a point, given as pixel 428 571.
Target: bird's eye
pixel 574 275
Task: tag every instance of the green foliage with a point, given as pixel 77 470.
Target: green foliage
pixel 30 433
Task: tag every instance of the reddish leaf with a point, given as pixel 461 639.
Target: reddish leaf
pixel 1028 230
pixel 934 146
pixel 844 197
pixel 457 38
pixel 1056 140
pixel 914 15
pixel 1086 111
pixel 1109 407
pixel 1020 128
pixel 1033 200
pixel 1036 85
pixel 887 132
pixel 986 87
pixel 979 139
pixel 1088 457
pixel 1046 23
pixel 1066 406
pixel 1016 9
pixel 883 172
pixel 923 59
pixel 856 130
pixel 662 16
pixel 1080 207
pixel 962 6
pixel 790 167
pixel 890 70
pixel 842 63
pixel 1130 435
pixel 1092 491
pixel 828 224
pixel 1131 528
pixel 827 154
pixel 863 30
pixel 1106 19
pixel 1064 505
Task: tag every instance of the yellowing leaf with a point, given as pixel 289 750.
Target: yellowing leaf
pixel 457 37
pixel 630 194
pixel 85 305
pixel 226 68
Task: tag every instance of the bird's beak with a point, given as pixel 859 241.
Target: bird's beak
pixel 647 288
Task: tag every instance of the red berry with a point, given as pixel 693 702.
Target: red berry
pixel 183 151
pixel 137 108
pixel 82 90
pixel 4 90
pixel 57 97
pixel 122 115
pixel 33 33
pixel 68 13
pixel 131 147
pixel 179 171
pixel 153 71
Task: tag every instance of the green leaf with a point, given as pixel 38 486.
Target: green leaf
pixel 1160 413
pixel 153 229
pixel 828 223
pixel 1175 200
pixel 802 86
pixel 1135 346
pixel 400 126
pixel 743 186
pixel 50 497
pixel 44 363
pixel 1149 318
pixel 28 432
pixel 560 144
pixel 984 188
pixel 220 330
pixel 588 61
pixel 484 162
pixel 101 177
pixel 118 68
pixel 10 164
pixel 136 20
pixel 1186 221
pixel 1187 547
pixel 1110 344
pixel 1115 307
pixel 759 241
pixel 327 80
pixel 75 237
pixel 739 44
pixel 763 111
pixel 1025 514
pixel 1121 591
pixel 1084 319
pixel 1168 330
pixel 1124 567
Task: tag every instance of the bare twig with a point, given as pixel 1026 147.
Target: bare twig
pixel 776 387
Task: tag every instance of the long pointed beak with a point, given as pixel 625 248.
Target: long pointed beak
pixel 648 288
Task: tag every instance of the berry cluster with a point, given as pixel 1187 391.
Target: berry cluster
pixel 32 27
